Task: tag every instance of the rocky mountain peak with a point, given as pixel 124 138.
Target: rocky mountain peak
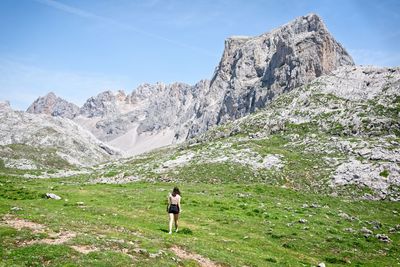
pixel 100 105
pixel 251 73
pixel 5 105
pixel 254 70
pixel 308 23
pixel 55 106
pixel 120 96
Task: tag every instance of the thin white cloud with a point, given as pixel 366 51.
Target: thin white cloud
pixel 69 9
pixel 21 83
pixel 89 15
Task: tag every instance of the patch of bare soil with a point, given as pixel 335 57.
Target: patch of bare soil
pixel 183 254
pixel 19 224
pixel 54 238
pixel 84 249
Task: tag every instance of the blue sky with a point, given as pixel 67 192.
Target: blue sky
pixel 78 49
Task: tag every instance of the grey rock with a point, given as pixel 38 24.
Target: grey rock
pixel 367 175
pixel 5 106
pixel 52 105
pixel 321 264
pixel 347 217
pixel 254 70
pixel 105 103
pixel 383 238
pixel 72 143
pixel 366 231
pixel 53 196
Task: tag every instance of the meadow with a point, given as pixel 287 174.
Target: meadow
pixel 226 224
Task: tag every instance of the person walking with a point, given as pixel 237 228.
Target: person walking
pixel 174 208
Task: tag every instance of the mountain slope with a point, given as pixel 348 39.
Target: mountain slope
pixel 338 134
pixel 55 106
pixel 32 141
pixel 252 72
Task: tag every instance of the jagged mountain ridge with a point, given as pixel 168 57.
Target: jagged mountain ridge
pixel 338 134
pixel 54 106
pixel 252 71
pixel 56 137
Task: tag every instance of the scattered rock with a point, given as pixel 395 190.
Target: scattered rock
pixel 158 254
pixel 321 264
pixel 366 231
pixel 383 238
pixel 141 251
pixel 303 221
pixel 375 224
pixel 346 216
pixel 53 196
pixel 244 195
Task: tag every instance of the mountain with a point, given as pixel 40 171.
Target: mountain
pixel 338 134
pixel 32 141
pixel 252 72
pixel 288 107
pixel 55 106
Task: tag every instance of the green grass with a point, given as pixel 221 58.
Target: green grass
pixel 385 173
pixel 231 223
pixel 43 157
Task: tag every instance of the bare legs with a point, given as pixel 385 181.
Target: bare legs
pixel 176 217
pixel 173 218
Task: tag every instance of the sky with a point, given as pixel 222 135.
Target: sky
pixel 79 48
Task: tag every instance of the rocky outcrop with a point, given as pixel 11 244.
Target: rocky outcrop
pixel 351 116
pixel 52 105
pixel 105 104
pixel 58 135
pixel 254 70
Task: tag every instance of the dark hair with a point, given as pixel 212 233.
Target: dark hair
pixel 176 191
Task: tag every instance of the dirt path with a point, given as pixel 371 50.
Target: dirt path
pixel 53 239
pixel 19 224
pixel 183 254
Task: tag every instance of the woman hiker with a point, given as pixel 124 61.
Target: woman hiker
pixel 174 208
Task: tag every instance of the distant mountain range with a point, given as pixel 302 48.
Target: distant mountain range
pixel 251 73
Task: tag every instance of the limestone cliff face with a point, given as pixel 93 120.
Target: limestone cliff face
pixel 50 104
pixel 253 70
pixel 104 104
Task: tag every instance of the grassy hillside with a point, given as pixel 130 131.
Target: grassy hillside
pixel 290 185
pixel 233 224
